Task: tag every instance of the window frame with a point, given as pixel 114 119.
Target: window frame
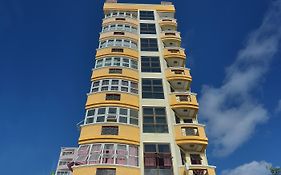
pixel 108 153
pixel 149 44
pixel 158 120
pixel 95 116
pixel 114 85
pixel 148 64
pixel 147 28
pixel 146 15
pixel 118 42
pixel 153 93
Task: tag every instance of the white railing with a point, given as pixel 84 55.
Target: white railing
pixel 118 43
pixel 122 15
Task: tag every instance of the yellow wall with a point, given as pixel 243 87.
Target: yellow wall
pixel 182 170
pixel 109 35
pixel 132 21
pixel 91 170
pixel 98 99
pixel 183 104
pixel 172 76
pixel 127 73
pixel 127 134
pixel 107 52
pixel 135 7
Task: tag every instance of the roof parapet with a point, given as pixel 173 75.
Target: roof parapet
pixel 166 3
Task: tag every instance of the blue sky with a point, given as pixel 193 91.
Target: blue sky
pixel 47 50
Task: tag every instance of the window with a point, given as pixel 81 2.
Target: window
pixel 113 97
pixel 149 44
pixel 150 64
pixel 157 159
pixel 109 130
pixel 63 173
pixel 200 172
pixel 116 61
pixel 195 159
pixel 174 50
pixel 184 120
pixel 118 33
pixel 65 153
pixel 112 114
pixel 146 28
pixel 106 171
pixel 115 85
pixel 123 27
pixel 120 19
pixel 152 88
pixel 83 152
pixel 183 98
pixel 118 43
pixel 117 50
pixel 121 14
pixel 190 131
pixel 110 153
pixel 146 15
pixel 115 71
pixel 178 71
pixel 154 120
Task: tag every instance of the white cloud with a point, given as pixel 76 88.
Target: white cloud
pixel 278 107
pixel 232 111
pixel 253 168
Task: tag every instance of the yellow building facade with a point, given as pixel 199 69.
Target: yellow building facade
pixel 141 118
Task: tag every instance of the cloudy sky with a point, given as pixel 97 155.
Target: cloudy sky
pixel 46 54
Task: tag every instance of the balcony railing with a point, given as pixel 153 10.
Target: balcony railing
pixel 118 43
pixel 200 169
pixel 122 15
pixel 120 27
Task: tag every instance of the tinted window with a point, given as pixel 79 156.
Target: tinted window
pixel 146 15
pixel 150 64
pixel 152 88
pixel 149 44
pixel 154 120
pixel 146 28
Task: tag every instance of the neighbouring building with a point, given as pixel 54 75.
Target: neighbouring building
pixel 141 117
pixel 67 155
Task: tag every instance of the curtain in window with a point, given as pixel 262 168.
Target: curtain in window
pixel 82 154
pixel 95 154
pixel 167 159
pixel 150 159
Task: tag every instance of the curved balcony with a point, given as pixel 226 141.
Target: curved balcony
pixel 184 104
pixel 120 27
pixel 92 169
pixel 117 51
pixel 171 38
pixel 110 98
pixel 121 133
pixel 191 137
pixel 115 72
pixel 118 34
pixel 120 19
pixel 168 22
pixel 200 169
pixel 179 78
pixel 175 56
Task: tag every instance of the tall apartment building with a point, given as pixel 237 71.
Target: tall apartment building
pixel 67 155
pixel 141 118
